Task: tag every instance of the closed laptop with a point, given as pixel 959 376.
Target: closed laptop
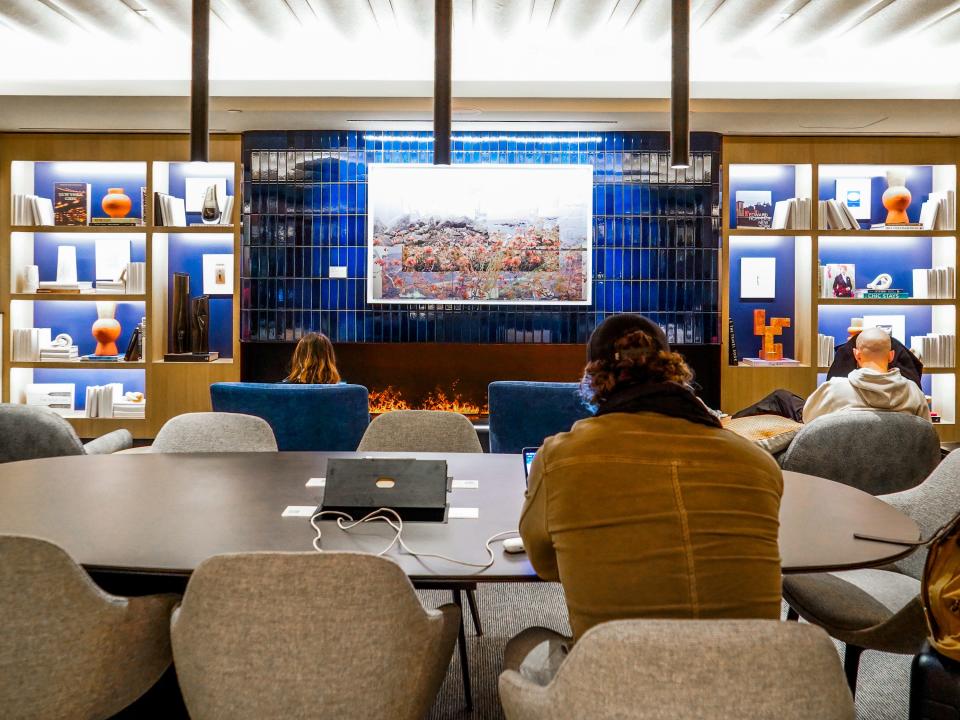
pixel 415 489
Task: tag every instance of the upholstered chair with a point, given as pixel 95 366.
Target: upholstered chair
pixel 872 450
pixel 28 433
pixel 879 608
pixel 214 432
pixel 67 649
pixel 420 431
pixel 523 414
pixel 668 669
pixel 263 636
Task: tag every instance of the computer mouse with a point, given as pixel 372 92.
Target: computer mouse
pixel 513 545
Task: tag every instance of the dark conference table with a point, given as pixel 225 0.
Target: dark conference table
pixel 164 514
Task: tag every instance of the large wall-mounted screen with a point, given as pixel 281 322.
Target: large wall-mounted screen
pixel 504 234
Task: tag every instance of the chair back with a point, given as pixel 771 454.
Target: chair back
pixel 268 635
pixel 421 431
pixel 718 669
pixel 875 451
pixel 523 414
pixel 205 432
pixel 303 417
pixel 28 432
pixel 931 504
pixel 68 649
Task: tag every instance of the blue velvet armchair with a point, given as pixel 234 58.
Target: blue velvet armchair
pixel 303 417
pixel 523 414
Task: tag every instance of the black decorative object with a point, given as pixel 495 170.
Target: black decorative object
pixel 200 324
pixel 181 308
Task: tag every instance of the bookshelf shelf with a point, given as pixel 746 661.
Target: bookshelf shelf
pixel 94 229
pixel 79 297
pixel 218 361
pixel 855 171
pixel 35 165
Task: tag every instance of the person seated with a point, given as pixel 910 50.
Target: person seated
pixel 314 362
pixel 649 509
pixel 873 385
pixel 845 361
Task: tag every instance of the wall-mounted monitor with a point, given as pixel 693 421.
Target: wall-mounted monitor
pixel 494 234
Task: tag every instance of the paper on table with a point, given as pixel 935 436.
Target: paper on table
pixel 299 511
pixel 317 482
pixel 465 484
pixel 463 513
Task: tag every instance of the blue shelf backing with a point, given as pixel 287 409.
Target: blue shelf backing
pixel 656 236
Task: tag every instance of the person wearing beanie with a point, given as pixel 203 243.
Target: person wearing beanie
pixel 649 509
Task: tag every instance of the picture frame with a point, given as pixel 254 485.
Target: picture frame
pixel 218 274
pixel 758 278
pixel 856 194
pixel 896 325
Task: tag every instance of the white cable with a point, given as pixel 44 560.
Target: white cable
pixel 374 516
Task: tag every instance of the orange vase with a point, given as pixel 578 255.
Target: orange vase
pixel 115 203
pixel 106 329
pixel 896 198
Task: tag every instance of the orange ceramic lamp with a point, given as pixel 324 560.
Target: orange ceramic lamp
pixel 106 329
pixel 896 198
pixel 116 203
pixel 769 350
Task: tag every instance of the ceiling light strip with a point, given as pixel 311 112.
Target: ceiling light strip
pixel 680 85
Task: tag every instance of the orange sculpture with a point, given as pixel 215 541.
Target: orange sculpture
pixel 769 350
pixel 116 203
pixel 106 329
pixel 896 198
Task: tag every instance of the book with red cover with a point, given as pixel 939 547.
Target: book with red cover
pixel 71 203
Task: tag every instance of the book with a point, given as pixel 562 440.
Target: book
pixel 115 221
pixel 27 343
pixel 838 280
pixel 169 211
pixel 897 226
pixel 101 358
pixel 891 294
pixel 936 350
pixel 754 208
pixel 937 283
pixel 782 362
pixel 732 343
pixel 31 210
pixel 825 350
pixel 71 203
pixel 59 397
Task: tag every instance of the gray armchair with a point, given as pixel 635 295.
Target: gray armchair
pixel 420 431
pixel 290 635
pixel 70 650
pixel 28 433
pixel 879 609
pixel 214 432
pixel 872 450
pixel 668 669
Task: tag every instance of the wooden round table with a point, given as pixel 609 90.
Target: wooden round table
pixel 153 513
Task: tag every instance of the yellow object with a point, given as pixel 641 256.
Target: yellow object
pixel 940 591
pixel 641 515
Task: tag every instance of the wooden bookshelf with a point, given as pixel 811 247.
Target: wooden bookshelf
pixel 742 385
pixel 171 388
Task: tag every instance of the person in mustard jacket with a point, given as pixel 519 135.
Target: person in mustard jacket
pixel 649 509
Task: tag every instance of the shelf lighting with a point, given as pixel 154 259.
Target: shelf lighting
pixel 546 140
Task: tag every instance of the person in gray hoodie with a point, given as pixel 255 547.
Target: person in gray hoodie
pixel 873 385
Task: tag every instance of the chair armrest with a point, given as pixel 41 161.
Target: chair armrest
pixel 109 443
pixel 522 699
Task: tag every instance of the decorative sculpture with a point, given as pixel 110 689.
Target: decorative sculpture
pixel 896 198
pixel 769 350
pixel 200 324
pixel 210 212
pixel 105 329
pixel 181 308
pixel 883 281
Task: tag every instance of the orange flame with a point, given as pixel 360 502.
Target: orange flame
pixel 388 399
pixel 382 401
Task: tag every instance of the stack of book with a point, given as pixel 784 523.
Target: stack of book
pixel 111 286
pixel 27 343
pixel 136 278
pixel 226 217
pixel 897 226
pixel 834 215
pixel 939 211
pixel 53 286
pixel 129 408
pixel 169 210
pixel 791 214
pixel 100 399
pixel 936 350
pixel 782 362
pixel 32 210
pixel 59 353
pixel 825 350
pixel 937 283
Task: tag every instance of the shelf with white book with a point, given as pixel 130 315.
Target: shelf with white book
pixel 770 197
pixel 38 385
pixel 79 297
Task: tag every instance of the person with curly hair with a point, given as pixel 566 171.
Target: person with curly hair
pixel 649 509
pixel 313 362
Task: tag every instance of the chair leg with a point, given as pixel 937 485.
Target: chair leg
pixel 792 615
pixel 851 666
pixel 474 612
pixel 462 646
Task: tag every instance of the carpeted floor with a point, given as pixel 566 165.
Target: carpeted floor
pixel 506 609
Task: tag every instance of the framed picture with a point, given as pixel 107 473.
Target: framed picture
pixel 196 189
pixel 758 278
pixel 855 194
pixel 754 208
pixel 218 274
pixel 894 324
pixel 839 280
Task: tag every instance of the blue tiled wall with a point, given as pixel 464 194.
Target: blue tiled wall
pixel 655 232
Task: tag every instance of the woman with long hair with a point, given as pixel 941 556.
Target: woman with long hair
pixel 649 509
pixel 314 362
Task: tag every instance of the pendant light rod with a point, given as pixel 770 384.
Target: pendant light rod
pixel 200 82
pixel 442 80
pixel 680 85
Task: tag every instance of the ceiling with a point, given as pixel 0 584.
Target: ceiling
pixel 124 64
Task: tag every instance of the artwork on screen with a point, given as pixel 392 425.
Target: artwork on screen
pixel 505 234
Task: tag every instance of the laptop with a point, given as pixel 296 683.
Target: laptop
pixel 415 489
pixel 528 454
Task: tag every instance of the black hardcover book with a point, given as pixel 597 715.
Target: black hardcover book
pixel 133 347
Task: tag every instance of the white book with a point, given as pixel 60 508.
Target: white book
pixel 90 401
pixel 849 220
pixel 45 206
pixel 928 214
pixel 58 397
pixel 783 214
